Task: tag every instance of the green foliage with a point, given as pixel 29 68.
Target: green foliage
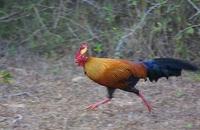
pixel 44 27
pixel 12 50
pixel 98 47
pixel 179 94
pixel 158 27
pixel 48 42
pixel 5 76
pixel 108 9
pixel 189 31
pixel 194 76
pixel 181 49
pixel 189 126
pixel 133 2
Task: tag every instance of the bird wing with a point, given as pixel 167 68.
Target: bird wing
pixel 120 74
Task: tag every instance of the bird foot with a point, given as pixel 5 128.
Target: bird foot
pixel 95 105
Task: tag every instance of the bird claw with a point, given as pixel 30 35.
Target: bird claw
pixel 95 105
pixel 92 107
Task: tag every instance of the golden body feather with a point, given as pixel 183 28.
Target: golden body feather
pixel 113 72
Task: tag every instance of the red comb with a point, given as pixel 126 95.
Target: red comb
pixel 84 44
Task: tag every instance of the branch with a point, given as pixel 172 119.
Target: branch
pixel 197 13
pixel 39 18
pixel 18 94
pixel 30 36
pixel 58 14
pixel 74 22
pixel 195 7
pixel 139 25
pixel 180 32
pixel 10 15
pixel 13 16
pixel 65 124
pixel 17 119
pixel 19 14
pixel 73 32
pixel 86 28
pixel 90 31
pixel 92 3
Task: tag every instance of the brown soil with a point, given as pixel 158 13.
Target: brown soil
pixel 53 95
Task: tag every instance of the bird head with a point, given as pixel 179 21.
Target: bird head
pixel 81 55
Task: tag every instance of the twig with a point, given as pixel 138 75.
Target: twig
pixel 10 15
pixel 92 38
pixel 30 36
pixel 197 13
pixel 72 32
pixel 65 124
pixel 86 28
pixel 180 32
pixel 123 39
pixel 13 16
pixel 39 18
pixel 18 118
pixel 74 22
pixel 90 31
pixel 17 94
pixel 92 3
pixel 58 14
pixel 48 7
pixel 195 7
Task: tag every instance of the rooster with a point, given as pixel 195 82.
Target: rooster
pixel 124 75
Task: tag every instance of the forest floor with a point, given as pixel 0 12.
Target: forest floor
pixel 53 95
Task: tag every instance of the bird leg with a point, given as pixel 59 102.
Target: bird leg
pixel 95 105
pixel 138 93
pixel 107 99
pixel 145 102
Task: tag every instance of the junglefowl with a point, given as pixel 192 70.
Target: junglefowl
pixel 124 75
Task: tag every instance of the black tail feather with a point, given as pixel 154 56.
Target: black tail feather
pixel 176 63
pixel 166 67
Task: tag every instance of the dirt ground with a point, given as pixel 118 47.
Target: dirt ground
pixel 53 95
